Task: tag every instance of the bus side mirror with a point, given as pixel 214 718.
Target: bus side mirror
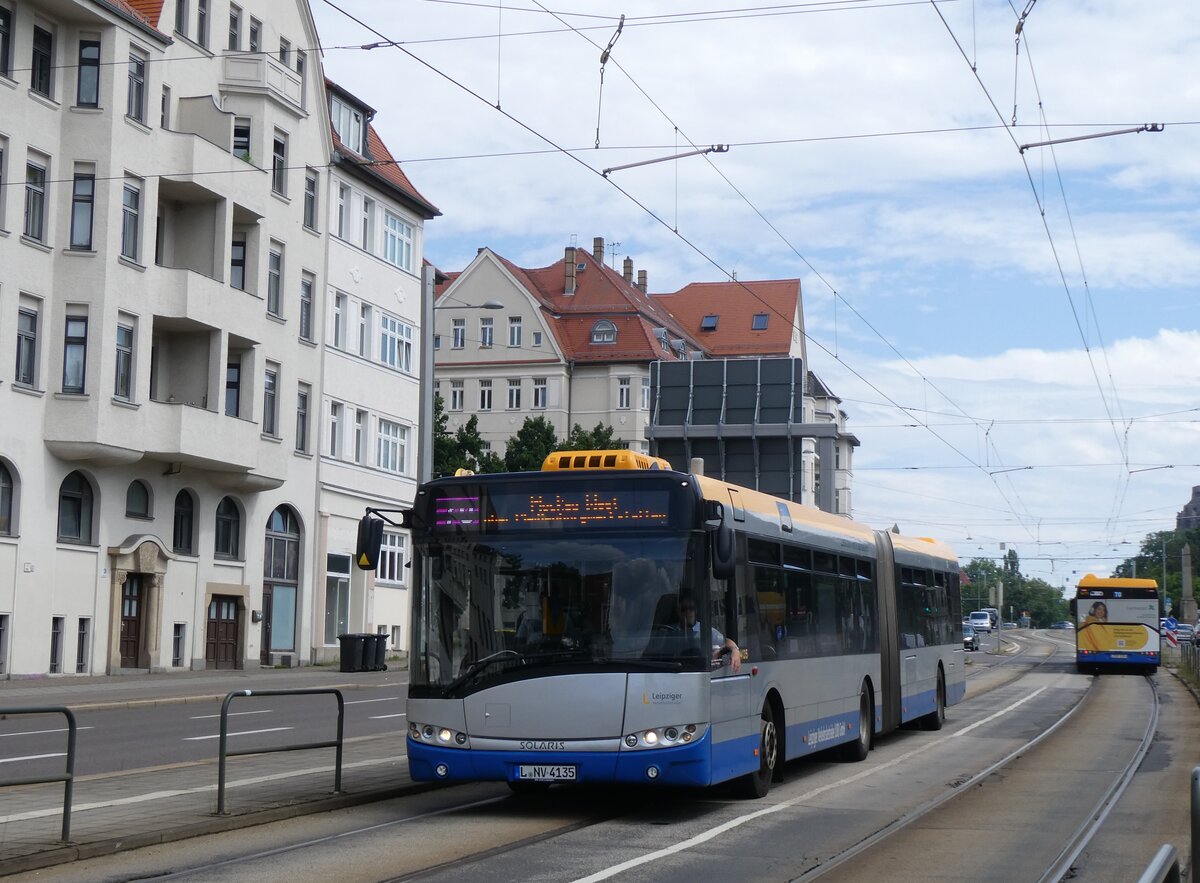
pixel 370 538
pixel 714 514
pixel 722 552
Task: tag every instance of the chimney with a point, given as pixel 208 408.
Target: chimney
pixel 628 271
pixel 598 248
pixel 569 270
pixel 642 280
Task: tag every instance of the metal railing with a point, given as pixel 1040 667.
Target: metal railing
pixel 225 753
pixel 67 778
pixel 1189 660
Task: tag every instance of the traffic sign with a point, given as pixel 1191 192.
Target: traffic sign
pixel 1172 638
pixel 1172 624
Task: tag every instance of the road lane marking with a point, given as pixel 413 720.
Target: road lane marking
pixel 384 699
pixel 40 732
pixel 243 733
pixel 711 833
pixel 31 757
pixel 201 717
pixel 182 792
pixel 380 717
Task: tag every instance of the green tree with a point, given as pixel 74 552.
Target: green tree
pixel 447 455
pixel 526 450
pixel 473 449
pixel 600 438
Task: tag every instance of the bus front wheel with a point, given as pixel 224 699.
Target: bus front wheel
pixel 757 784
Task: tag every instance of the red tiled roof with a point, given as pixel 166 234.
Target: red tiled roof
pixel 147 11
pixel 384 166
pixel 735 304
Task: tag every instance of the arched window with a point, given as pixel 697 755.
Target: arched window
pixel 281 578
pixel 183 537
pixel 6 500
pixel 229 529
pixel 137 500
pixel 75 509
pixel 604 331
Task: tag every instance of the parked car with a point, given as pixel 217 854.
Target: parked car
pixel 1063 624
pixel 1010 625
pixel 1186 632
pixel 970 638
pixel 980 620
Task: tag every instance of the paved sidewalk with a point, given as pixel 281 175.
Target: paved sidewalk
pixel 126 810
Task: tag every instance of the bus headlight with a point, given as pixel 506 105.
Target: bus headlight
pixel 665 737
pixel 427 734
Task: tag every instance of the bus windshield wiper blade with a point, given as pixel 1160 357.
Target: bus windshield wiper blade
pixel 479 665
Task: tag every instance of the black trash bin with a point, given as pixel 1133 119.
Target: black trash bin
pixel 381 653
pixel 368 654
pixel 351 652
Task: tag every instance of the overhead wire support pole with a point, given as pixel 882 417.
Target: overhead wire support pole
pixel 1148 127
pixel 716 148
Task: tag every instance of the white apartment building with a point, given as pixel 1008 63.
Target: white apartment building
pixel 166 498
pixel 370 396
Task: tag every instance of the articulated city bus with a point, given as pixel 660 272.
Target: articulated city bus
pixel 609 619
pixel 1116 625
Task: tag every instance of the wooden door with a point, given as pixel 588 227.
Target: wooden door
pixel 221 650
pixel 131 621
pixel 264 656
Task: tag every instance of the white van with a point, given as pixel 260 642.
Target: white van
pixel 980 620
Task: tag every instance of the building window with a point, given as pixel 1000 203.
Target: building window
pixel 485 332
pixel 181 16
pixel 57 624
pixel 759 322
pixel 202 23
pixel 368 225
pixel 5 42
pixel 348 123
pixel 6 501
pixel 237 262
pixel 306 296
pixel 274 282
pixel 75 509
pixel 458 337
pixel 514 330
pixel 709 322
pixel 456 395
pixel 83 645
pixel 391 559
pixel 137 500
pixel 130 221
pixel 135 102
pixel 241 138
pixel 645 393
pixel 164 110
pixel 229 529
pixel 183 535
pixel 604 331
pixel 537 338
pixel 178 644
pixel 27 328
pixel 235 28
pixel 343 220
pixel 485 395
pixel 310 199
pixel 391 451
pixel 279 164
pixel 395 343
pixel 233 389
pixel 255 32
pixel 336 409
pixel 397 242
pixel 123 388
pixel 539 393
pixel 42 63
pixel 303 396
pixel 75 355
pixel 360 435
pixel 270 424
pixel 514 395
pixel 87 93
pixel 35 201
pixel 364 330
pixel 281 579
pixel 285 52
pixel 340 304
pixel 337 597
pixel 622 393
pixel 83 196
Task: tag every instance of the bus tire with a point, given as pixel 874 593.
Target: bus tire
pixel 757 784
pixel 853 752
pixel 936 718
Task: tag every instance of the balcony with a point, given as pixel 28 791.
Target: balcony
pixel 257 72
pixel 197 298
pixel 233 448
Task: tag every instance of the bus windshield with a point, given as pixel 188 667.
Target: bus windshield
pixel 501 608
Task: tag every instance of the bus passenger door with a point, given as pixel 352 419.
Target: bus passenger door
pixel 731 694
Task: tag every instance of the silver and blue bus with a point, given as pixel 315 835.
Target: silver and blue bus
pixel 548 645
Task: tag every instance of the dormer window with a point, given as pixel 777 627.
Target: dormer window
pixel 349 123
pixel 604 331
pixel 709 322
pixel 759 322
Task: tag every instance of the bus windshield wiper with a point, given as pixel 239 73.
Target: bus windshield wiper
pixel 479 665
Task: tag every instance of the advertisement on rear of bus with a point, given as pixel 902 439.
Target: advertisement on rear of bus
pixel 1118 625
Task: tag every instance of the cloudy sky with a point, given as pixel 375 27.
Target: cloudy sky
pixel 1013 332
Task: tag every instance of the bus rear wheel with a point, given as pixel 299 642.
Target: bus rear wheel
pixel 853 752
pixel 757 784
pixel 936 718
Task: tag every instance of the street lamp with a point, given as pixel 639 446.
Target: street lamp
pixel 425 448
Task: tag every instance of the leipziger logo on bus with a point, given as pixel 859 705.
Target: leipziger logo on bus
pixel 658 697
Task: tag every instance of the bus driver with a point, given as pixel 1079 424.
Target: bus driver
pixel 689 625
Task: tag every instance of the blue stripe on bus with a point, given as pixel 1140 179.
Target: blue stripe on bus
pixel 1118 657
pixel 824 732
pixel 681 765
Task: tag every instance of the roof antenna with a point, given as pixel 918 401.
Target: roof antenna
pixel 603 61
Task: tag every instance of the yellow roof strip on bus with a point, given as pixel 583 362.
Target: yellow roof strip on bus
pixel 621 459
pixel 1091 581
